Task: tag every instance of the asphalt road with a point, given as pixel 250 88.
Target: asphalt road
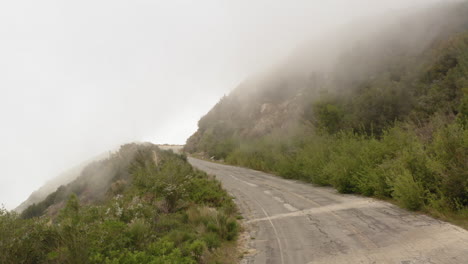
pixel 292 222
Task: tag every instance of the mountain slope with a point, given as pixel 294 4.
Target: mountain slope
pixel 52 185
pixel 394 52
pixel 379 109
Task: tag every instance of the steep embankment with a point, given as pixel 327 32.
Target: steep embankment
pixel 140 205
pixel 381 111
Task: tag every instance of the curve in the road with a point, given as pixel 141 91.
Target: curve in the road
pixel 294 222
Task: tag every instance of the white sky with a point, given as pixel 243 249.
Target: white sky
pixel 78 78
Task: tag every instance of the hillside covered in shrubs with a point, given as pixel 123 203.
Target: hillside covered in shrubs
pixel 141 205
pixel 381 111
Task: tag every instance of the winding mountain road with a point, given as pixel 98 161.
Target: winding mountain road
pixel 291 222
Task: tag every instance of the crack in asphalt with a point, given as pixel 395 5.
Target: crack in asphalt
pixel 318 210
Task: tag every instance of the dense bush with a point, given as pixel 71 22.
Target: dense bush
pixel 396 165
pixel 167 213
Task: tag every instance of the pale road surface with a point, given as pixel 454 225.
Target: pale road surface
pixel 292 222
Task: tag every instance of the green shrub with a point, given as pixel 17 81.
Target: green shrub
pixel 450 150
pixel 406 190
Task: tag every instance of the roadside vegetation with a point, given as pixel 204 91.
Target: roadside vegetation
pixel 156 209
pixel 396 130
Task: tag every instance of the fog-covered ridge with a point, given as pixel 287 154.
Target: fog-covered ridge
pixel 378 108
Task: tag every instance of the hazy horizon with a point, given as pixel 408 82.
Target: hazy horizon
pixel 81 78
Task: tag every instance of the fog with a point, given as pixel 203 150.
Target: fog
pixel 80 78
